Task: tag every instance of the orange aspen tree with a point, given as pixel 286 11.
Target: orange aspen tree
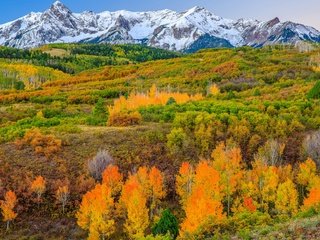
pixel 113 179
pixel 204 204
pixel 306 177
pixel 157 189
pixel 313 198
pixel 7 207
pixel 184 181
pixel 38 186
pixel 96 212
pixel 200 209
pixel 62 196
pixel 135 203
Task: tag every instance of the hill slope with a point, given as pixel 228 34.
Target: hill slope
pixel 162 113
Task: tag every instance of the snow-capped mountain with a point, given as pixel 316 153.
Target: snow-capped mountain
pixel 186 31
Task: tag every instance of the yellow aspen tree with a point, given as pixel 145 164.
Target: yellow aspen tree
pixel 153 91
pixel 184 182
pixel 214 90
pixel 157 189
pixel 135 203
pixel 269 188
pixel 143 178
pixel 307 173
pixel 266 180
pixel 229 164
pixel 247 199
pixel 287 198
pixel 62 196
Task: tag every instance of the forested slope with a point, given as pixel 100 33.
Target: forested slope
pixel 227 140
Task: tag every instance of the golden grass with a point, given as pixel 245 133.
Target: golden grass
pixel 57 52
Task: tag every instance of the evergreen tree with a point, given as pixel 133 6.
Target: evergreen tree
pixel 168 223
pixel 100 109
pixel 99 114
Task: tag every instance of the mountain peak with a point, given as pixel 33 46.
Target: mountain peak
pixel 195 9
pixel 58 5
pixel 273 22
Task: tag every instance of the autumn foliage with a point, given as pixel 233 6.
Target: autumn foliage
pixel 62 195
pixel 38 186
pixel 112 178
pixel 313 200
pixel 96 213
pixel 184 182
pixel 124 110
pixel 7 207
pixel 222 164
pixel 135 203
pixel 46 145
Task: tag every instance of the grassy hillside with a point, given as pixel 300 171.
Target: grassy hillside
pixel 154 108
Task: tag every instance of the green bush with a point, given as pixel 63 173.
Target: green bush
pixel 248 220
pixel 315 91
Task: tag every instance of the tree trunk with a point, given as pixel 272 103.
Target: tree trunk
pixel 63 208
pixel 228 204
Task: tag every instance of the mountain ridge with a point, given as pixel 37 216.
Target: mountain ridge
pixel 165 29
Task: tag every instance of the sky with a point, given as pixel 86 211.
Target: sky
pixel 301 11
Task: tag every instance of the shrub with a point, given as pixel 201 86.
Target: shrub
pixel 99 163
pixel 244 220
pixel 122 119
pixel 176 139
pixel 42 144
pixel 308 213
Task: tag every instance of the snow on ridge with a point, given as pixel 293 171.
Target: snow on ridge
pixel 162 28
